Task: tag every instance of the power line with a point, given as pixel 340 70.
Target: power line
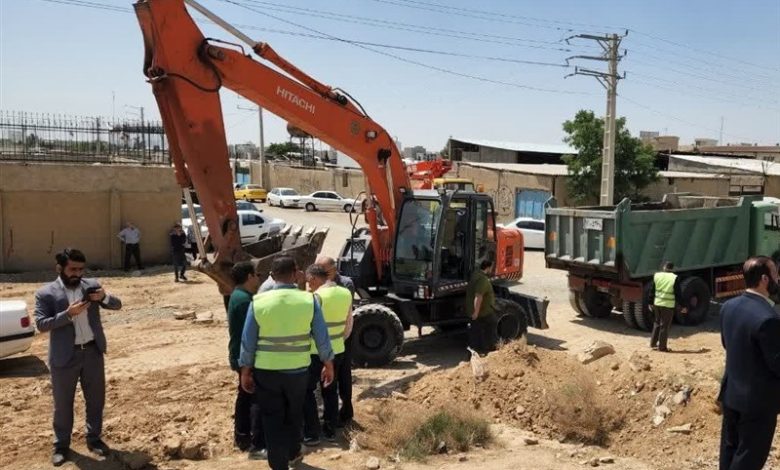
pixel 400 26
pixel 677 118
pixel 712 98
pixel 404 59
pixel 502 17
pixel 95 5
pixel 695 87
pixel 477 14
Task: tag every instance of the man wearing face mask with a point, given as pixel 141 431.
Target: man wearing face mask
pixel 69 309
pixel 750 389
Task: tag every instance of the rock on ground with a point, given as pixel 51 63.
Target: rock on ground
pixel 596 350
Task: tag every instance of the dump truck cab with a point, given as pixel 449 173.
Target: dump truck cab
pixel 765 229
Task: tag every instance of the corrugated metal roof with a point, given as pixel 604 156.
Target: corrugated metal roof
pixel 562 170
pixel 561 149
pixel 724 163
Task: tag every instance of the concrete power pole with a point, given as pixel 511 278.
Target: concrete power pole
pixel 610 44
pixel 262 147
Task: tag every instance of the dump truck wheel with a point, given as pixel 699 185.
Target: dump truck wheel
pixel 696 298
pixel 377 336
pixel 511 322
pixel 575 301
pixel 597 304
pixel 643 315
pixel 628 314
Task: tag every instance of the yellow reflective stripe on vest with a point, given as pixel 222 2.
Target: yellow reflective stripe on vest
pixel 336 302
pixel 664 289
pixel 284 317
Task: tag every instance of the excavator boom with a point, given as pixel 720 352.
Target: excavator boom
pixel 187 71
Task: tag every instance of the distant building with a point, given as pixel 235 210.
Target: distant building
pixel 341 159
pixel 769 153
pixel 490 151
pixel 660 143
pixel 705 142
pixel 417 152
pixel 748 175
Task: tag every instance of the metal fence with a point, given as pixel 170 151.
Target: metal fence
pixel 34 137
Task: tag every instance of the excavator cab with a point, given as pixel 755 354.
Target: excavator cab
pixel 441 238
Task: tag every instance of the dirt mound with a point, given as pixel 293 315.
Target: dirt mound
pixel 611 402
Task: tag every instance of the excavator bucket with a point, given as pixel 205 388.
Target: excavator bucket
pixel 303 246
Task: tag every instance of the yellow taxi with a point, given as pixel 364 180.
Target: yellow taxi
pixel 250 192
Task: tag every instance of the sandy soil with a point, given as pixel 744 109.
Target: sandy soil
pixel 169 385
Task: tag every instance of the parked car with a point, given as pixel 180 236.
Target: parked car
pixel 284 197
pixel 186 222
pixel 247 206
pixel 16 327
pixel 327 200
pixel 532 229
pixel 255 226
pixel 251 192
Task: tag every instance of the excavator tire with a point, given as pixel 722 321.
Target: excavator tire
pixel 628 314
pixel 576 303
pixel 511 320
pixel 696 298
pixel 377 336
pixel 596 304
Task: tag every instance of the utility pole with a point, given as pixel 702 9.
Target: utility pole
pixel 720 137
pixel 609 80
pixel 143 130
pixel 261 140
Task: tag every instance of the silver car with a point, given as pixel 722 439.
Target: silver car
pixel 327 200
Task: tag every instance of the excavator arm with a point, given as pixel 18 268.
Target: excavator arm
pixel 187 70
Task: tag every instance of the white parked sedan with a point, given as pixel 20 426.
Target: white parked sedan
pixel 327 200
pixel 16 327
pixel 532 230
pixel 255 226
pixel 284 197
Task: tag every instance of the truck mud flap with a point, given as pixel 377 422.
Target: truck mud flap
pixel 535 309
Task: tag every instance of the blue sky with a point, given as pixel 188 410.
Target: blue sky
pixel 689 63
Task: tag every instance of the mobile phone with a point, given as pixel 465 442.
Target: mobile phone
pixel 88 291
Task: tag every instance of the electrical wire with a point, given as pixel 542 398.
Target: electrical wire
pixel 409 61
pixel 711 97
pixel 417 29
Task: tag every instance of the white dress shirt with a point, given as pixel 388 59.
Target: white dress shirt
pixel 84 333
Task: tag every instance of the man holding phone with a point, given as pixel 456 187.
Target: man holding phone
pixel 69 309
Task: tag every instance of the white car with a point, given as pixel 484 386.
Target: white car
pixel 284 197
pixel 327 200
pixel 16 327
pixel 255 226
pixel 532 230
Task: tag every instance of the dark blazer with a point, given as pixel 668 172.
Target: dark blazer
pixel 51 305
pixel 750 332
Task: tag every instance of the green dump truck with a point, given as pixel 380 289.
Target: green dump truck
pixel 611 253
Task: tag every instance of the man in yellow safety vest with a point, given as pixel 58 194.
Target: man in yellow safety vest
pixel 275 358
pixel 666 295
pixel 336 303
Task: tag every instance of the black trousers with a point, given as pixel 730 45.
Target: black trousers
pixel 134 250
pixel 330 398
pixel 745 440
pixel 344 378
pixel 248 421
pixel 86 366
pixel 661 326
pixel 281 396
pixel 179 264
pixel 483 334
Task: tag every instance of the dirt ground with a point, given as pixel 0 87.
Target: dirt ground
pixel 170 391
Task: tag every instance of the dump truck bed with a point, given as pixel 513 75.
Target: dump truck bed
pixel 630 241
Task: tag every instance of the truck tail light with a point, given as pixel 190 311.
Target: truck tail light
pixel 25 321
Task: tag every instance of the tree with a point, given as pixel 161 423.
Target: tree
pixel 282 148
pixel 634 160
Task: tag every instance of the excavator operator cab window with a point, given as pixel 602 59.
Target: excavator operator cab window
pixel 416 240
pixel 453 245
pixel 484 232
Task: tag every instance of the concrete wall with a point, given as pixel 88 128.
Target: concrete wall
pixel 503 186
pixel 716 186
pixel 47 207
pixel 347 182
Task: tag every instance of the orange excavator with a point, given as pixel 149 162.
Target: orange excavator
pixel 430 174
pixel 410 264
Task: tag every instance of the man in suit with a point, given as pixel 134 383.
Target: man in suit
pixel 69 309
pixel 750 390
